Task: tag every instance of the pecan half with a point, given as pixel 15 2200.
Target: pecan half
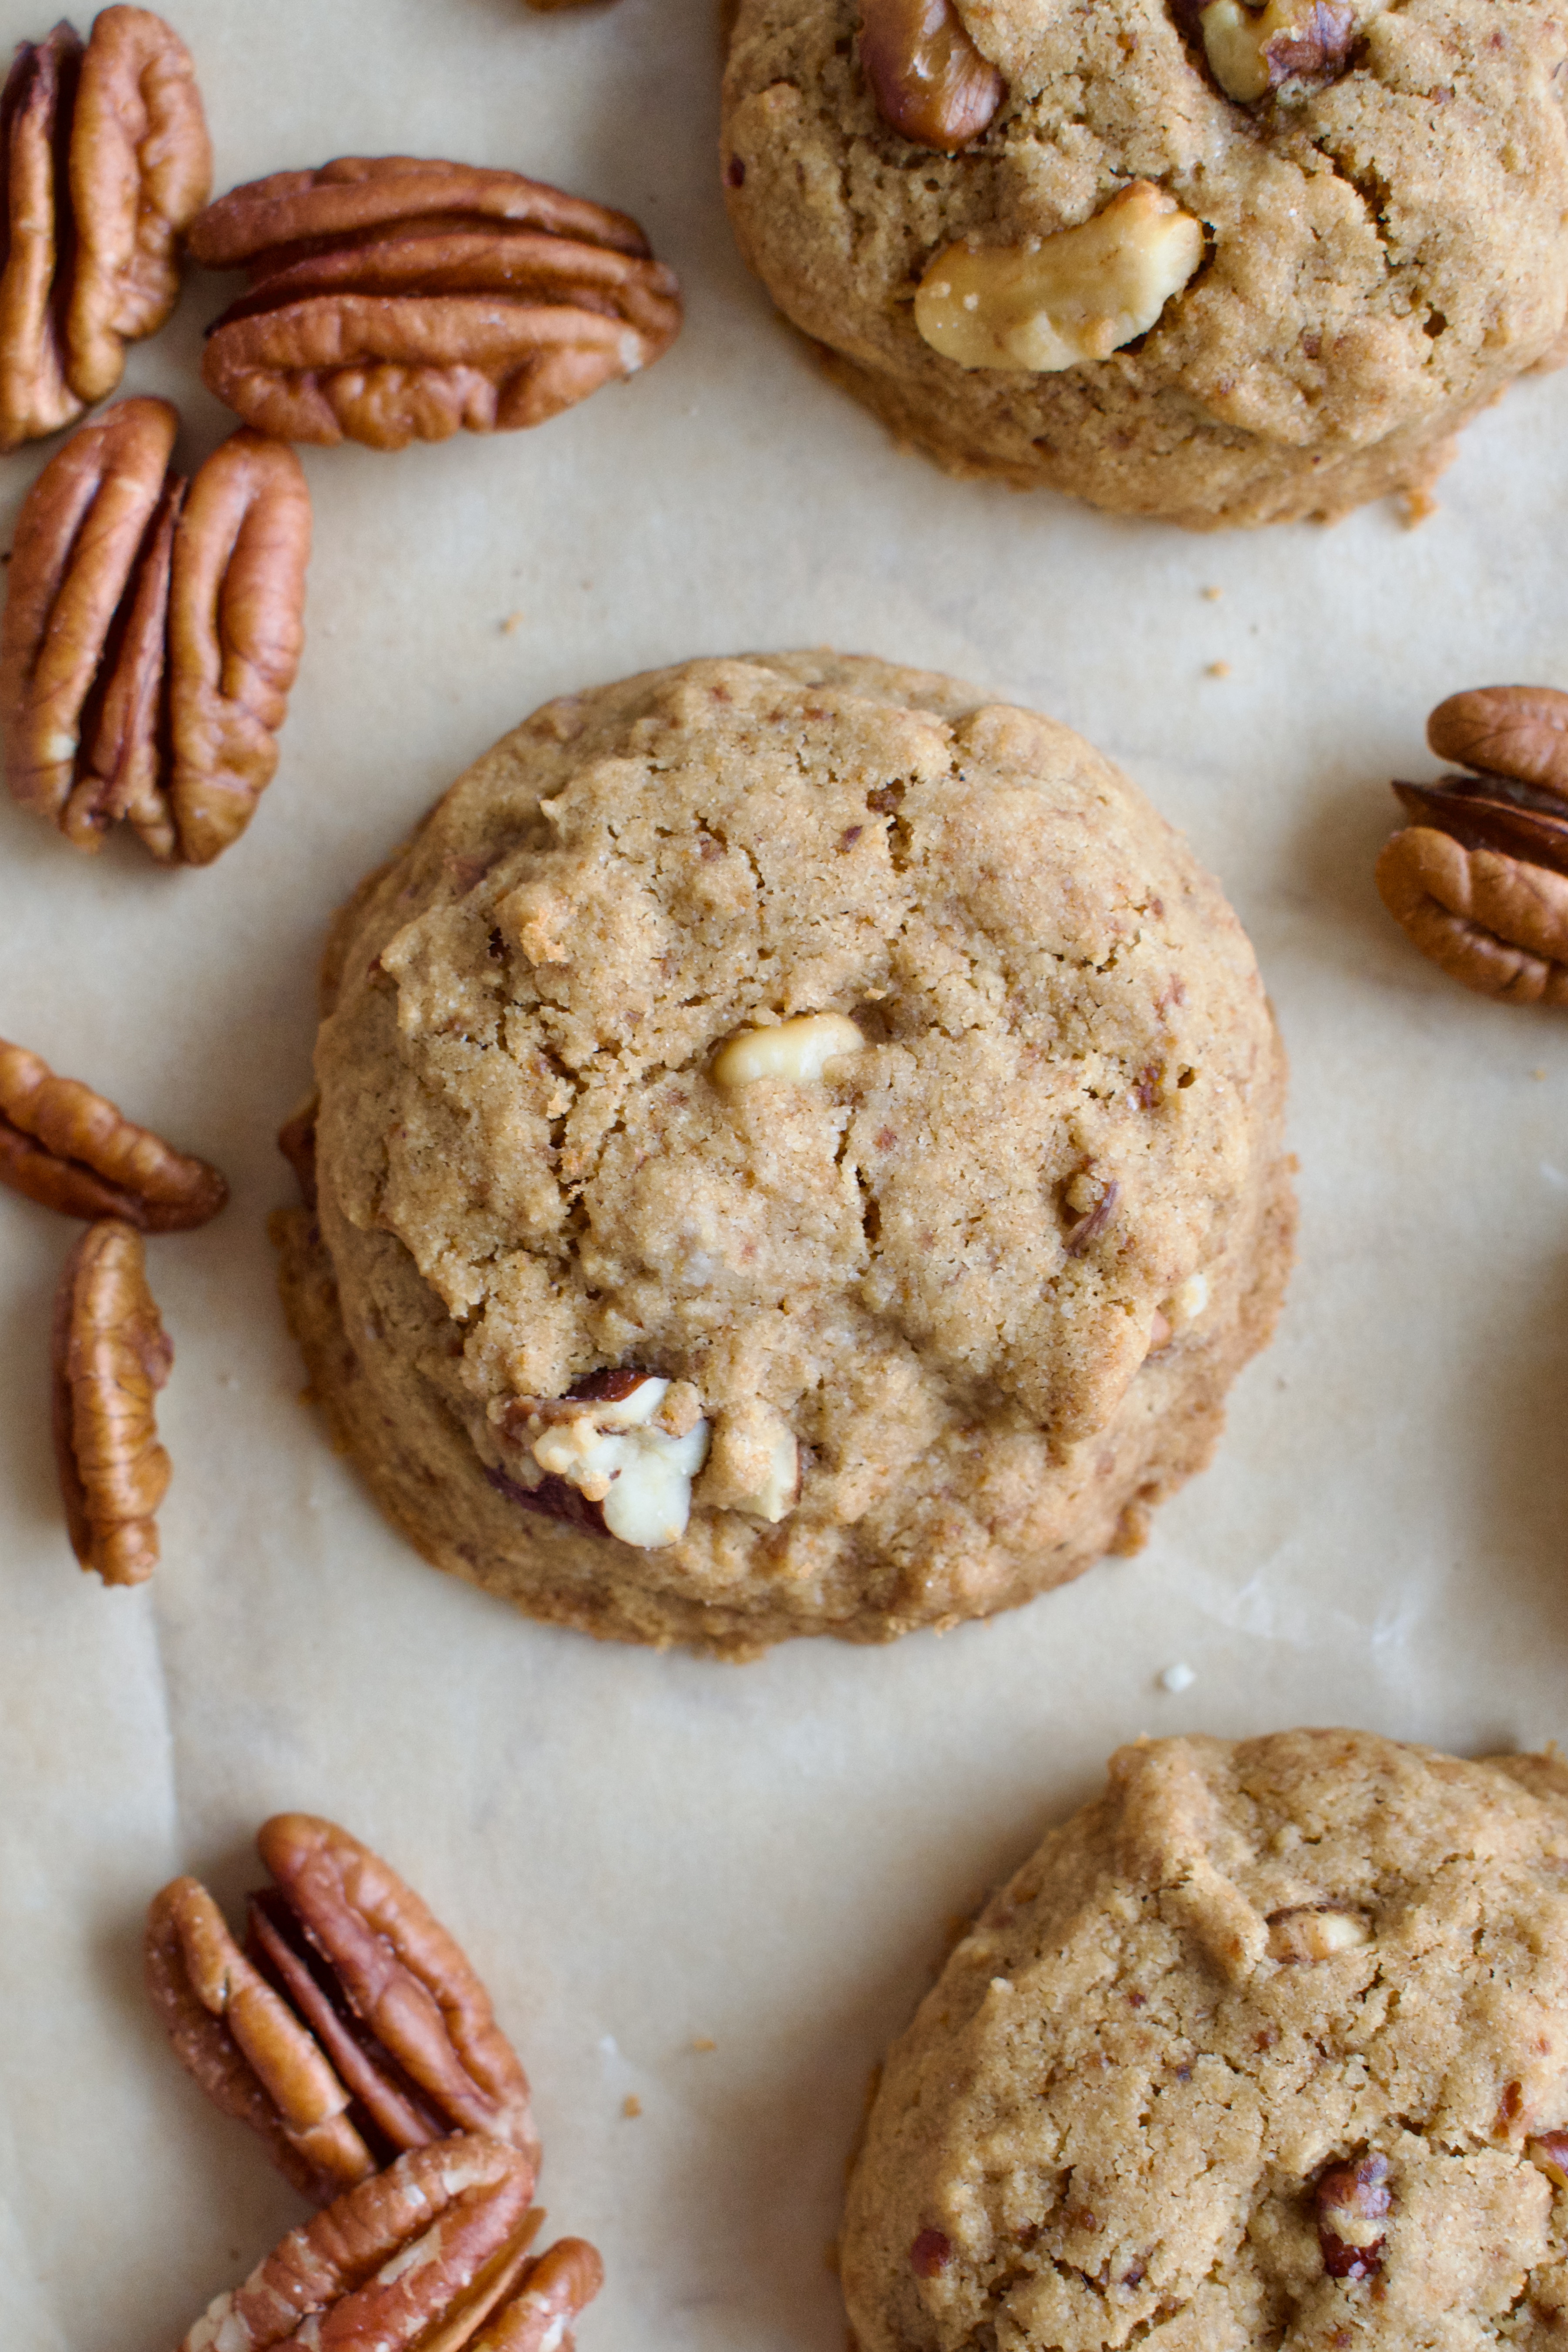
pixel 245 2047
pixel 110 1356
pixel 394 298
pixel 929 81
pixel 107 160
pixel 1480 879
pixel 71 1149
pixel 1352 2201
pixel 151 635
pixel 554 2287
pixel 403 2041
pixel 413 2260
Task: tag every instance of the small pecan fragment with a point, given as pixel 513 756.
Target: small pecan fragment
pixel 1287 46
pixel 151 635
pixel 110 1357
pixel 616 1456
pixel 245 2047
pixel 394 298
pixel 555 2286
pixel 929 81
pixel 1315 1931
pixel 1352 2202
pixel 70 1149
pixel 378 2036
pixel 1549 2150
pixel 106 162
pixel 1480 879
pixel 413 2260
pixel 930 2253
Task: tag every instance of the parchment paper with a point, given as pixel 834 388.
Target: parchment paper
pixel 641 1852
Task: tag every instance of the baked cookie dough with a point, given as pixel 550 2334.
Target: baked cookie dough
pixel 1133 286
pixel 798 1152
pixel 1267 2048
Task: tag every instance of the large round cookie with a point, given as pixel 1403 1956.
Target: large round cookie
pixel 868 1063
pixel 1375 248
pixel 1267 2048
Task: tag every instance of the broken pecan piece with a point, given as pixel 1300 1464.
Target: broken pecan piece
pixel 1352 2202
pixel 394 298
pixel 929 81
pixel 106 161
pixel 110 1356
pixel 151 635
pixel 71 1149
pixel 1480 879
pixel 413 2260
pixel 380 2020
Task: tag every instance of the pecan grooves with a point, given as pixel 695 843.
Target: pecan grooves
pixel 35 107
pixel 110 1355
pixel 394 298
pixel 554 2287
pixel 69 1148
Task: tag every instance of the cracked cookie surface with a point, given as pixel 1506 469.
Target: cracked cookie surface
pixel 865 1062
pixel 1143 2106
pixel 1383 254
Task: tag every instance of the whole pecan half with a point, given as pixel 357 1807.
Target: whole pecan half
pixel 110 1356
pixel 553 2288
pixel 381 2024
pixel 929 81
pixel 69 1148
pixel 413 2260
pixel 1480 879
pixel 107 160
pixel 151 633
pixel 394 298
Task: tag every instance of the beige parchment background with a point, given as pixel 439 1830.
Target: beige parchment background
pixel 642 1851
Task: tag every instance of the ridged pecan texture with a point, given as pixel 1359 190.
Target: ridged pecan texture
pixel 69 1148
pixel 111 1355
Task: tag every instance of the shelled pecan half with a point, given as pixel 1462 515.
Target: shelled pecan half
pixel 71 1149
pixel 929 81
pixel 414 2260
pixel 1480 879
pixel 110 1357
pixel 152 632
pixel 381 2024
pixel 394 298
pixel 106 161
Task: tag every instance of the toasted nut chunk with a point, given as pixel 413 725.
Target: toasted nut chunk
pixel 35 109
pixel 1058 302
pixel 556 2285
pixel 141 171
pixel 1252 51
pixel 1315 1931
pixel 797 1051
pixel 1352 2202
pixel 616 1454
pixel 413 2260
pixel 111 1355
pixel 237 595
pixel 928 79
pixel 245 2047
pixel 1550 2151
pixel 1495 922
pixel 1512 730
pixel 71 1149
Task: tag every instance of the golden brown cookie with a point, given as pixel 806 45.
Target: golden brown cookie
pixel 1267 2048
pixel 798 1152
pixel 1127 283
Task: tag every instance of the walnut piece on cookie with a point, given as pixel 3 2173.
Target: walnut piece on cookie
pixel 797 1151
pixel 1149 2101
pixel 1362 241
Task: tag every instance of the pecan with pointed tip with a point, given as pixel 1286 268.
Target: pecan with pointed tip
pixel 71 1149
pixel 111 1354
pixel 1480 879
pixel 394 298
pixel 552 2289
pixel 380 2023
pixel 152 632
pixel 414 2259
pixel 106 162
pixel 1352 2201
pixel 929 81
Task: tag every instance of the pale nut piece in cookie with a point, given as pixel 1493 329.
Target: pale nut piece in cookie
pixel 1310 1932
pixel 1058 302
pixel 618 1456
pixel 70 1149
pixel 1286 45
pixel 245 2046
pixel 929 81
pixel 110 1356
pixel 754 1464
pixel 796 1053
pixel 1352 2202
pixel 394 298
pixel 414 2259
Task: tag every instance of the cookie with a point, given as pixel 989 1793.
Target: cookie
pixel 1126 283
pixel 798 1152
pixel 1267 2047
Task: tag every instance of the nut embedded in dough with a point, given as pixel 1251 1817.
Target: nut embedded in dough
pixel 796 1052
